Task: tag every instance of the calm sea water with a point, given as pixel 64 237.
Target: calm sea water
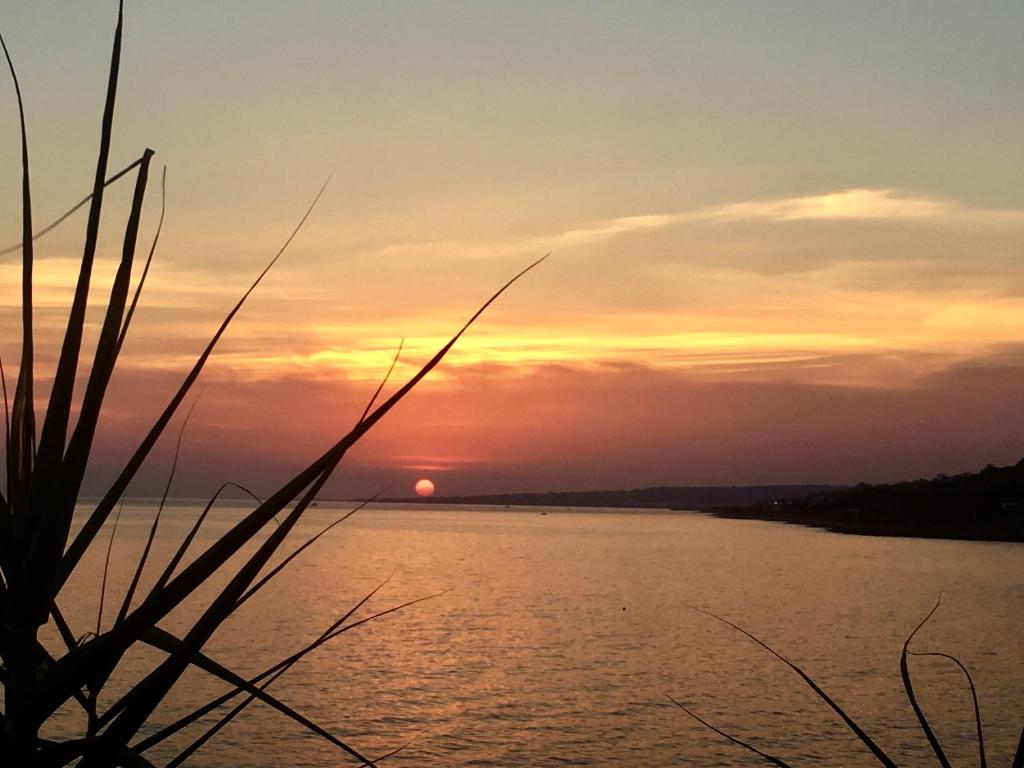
pixel 562 633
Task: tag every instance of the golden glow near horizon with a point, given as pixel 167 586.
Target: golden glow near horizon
pixel 729 321
pixel 762 317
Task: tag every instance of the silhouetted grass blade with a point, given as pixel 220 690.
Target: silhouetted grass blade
pixel 7 420
pixel 130 592
pixel 276 669
pixel 173 646
pixel 64 216
pixel 18 641
pixel 22 448
pixel 397 750
pixel 56 754
pixel 908 686
pixel 770 758
pixel 106 567
pixel 6 523
pixel 100 658
pixel 187 541
pixel 853 726
pixel 145 270
pixel 55 425
pixel 239 708
pixel 98 517
pixel 982 761
pixel 384 381
pixel 55 505
pixel 44 484
pixel 308 543
pixel 148 693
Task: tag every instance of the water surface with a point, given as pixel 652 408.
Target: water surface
pixel 561 634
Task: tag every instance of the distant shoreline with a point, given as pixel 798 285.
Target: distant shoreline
pixel 848 523
pixel 982 506
pixel 987 505
pixel 659 497
pixel 837 522
pixel 833 522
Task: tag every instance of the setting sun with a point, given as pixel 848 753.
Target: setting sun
pixel 424 487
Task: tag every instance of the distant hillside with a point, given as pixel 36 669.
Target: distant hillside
pixel 986 505
pixel 667 497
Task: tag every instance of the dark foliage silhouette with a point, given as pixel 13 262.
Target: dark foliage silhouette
pixel 38 553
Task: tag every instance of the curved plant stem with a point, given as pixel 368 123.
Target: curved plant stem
pixel 982 761
pixel 106 566
pixel 908 686
pixel 126 603
pixel 60 219
pixel 145 270
pixel 877 751
pixel 778 761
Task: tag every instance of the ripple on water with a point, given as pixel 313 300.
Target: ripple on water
pixel 530 659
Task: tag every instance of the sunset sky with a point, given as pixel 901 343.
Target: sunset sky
pixel 786 237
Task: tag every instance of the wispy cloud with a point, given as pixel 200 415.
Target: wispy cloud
pixel 736 321
pixel 861 204
pixel 168 284
pixel 850 204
